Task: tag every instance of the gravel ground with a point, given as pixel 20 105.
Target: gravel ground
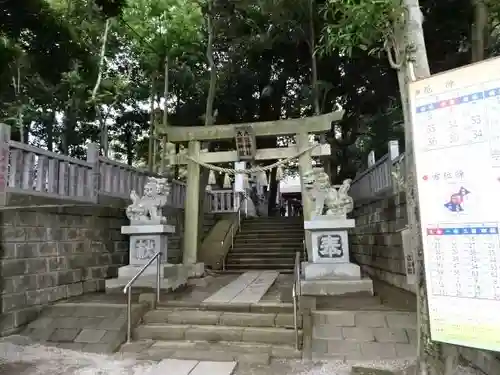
pixel 18 357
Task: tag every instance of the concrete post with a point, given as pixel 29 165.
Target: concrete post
pixel 190 249
pixel 4 162
pixel 95 175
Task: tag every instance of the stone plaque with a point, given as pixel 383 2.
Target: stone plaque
pixel 330 246
pixel 144 248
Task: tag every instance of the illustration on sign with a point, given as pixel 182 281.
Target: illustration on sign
pixel 455 204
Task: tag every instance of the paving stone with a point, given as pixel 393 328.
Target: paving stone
pixel 247 319
pixel 113 324
pixel 111 337
pixel 66 322
pixel 336 318
pixel 88 323
pixel 174 366
pixel 41 334
pixel 41 322
pixel 327 331
pixel 214 333
pixel 370 319
pixel 90 336
pixel 376 350
pixel 85 312
pixel 60 310
pixel 390 335
pixel 359 334
pixel 213 368
pixel 64 334
pixel 342 348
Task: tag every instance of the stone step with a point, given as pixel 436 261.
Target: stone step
pixel 259 266
pixel 296 232
pixel 201 317
pixel 235 269
pixel 238 252
pixel 243 352
pixel 273 227
pixel 340 287
pixel 215 333
pixel 265 231
pixel 271 244
pixel 236 259
pixel 260 307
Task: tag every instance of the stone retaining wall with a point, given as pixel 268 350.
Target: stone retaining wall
pixel 49 254
pixel 377 247
pixel 375 242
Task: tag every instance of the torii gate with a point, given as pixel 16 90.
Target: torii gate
pixel 194 135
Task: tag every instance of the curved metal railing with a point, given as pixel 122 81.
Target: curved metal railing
pixel 128 289
pixel 296 291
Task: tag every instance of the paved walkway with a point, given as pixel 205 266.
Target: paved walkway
pixel 250 287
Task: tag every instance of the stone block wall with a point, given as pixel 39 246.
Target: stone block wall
pixel 49 253
pixel 375 242
pixel 376 246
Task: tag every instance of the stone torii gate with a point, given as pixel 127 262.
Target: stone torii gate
pixel 194 135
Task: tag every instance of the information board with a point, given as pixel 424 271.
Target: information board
pixel 456 129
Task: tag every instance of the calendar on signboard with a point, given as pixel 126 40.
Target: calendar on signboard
pixel 456 127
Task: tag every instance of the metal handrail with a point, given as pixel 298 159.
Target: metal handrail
pixel 233 231
pixel 295 294
pixel 128 289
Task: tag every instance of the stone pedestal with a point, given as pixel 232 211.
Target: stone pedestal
pixel 145 242
pixel 330 250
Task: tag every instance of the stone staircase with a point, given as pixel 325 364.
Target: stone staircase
pixel 216 332
pixel 267 243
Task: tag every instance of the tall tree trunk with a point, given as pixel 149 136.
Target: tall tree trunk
pixel 433 358
pixel 479 30
pixel 151 156
pixel 164 139
pixel 209 113
pixel 49 129
pixel 102 122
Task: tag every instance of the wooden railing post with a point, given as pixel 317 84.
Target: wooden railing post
pixel 4 162
pixel 94 177
pixel 393 150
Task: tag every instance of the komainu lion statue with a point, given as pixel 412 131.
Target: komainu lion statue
pixel 147 209
pixel 322 193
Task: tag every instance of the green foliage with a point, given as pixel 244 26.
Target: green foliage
pixel 358 24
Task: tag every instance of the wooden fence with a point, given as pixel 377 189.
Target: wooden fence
pixel 30 170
